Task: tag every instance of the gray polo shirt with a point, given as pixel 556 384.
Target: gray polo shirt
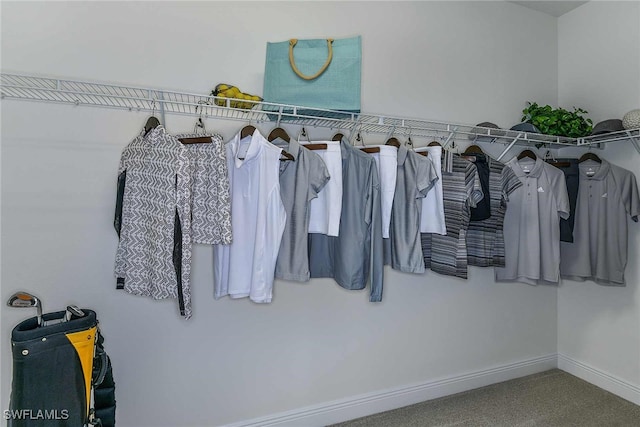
pixel 416 176
pixel 355 255
pixel 607 195
pixel 532 224
pixel 300 182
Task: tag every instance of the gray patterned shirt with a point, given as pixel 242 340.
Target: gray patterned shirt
pixel 156 199
pixel 210 194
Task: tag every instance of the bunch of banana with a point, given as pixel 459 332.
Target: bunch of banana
pixel 238 98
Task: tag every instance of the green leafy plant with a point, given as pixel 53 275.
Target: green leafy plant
pixel 557 121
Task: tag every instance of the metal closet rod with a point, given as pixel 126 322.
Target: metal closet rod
pixel 75 92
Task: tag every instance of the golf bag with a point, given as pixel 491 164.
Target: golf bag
pixel 59 362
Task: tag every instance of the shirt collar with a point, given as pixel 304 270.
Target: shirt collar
pixel 402 154
pixel 292 147
pixel 345 149
pixel 256 141
pixel 536 172
pixel 155 134
pixel 602 172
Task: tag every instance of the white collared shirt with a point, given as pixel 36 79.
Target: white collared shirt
pixel 246 267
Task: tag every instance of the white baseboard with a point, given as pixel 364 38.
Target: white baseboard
pixel 371 403
pixel 600 378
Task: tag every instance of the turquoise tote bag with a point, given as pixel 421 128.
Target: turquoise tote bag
pixel 318 73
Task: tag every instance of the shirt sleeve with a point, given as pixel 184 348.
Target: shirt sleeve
pixel 473 185
pixel 223 195
pixel 562 196
pixel 374 212
pixel 318 175
pixel 630 196
pixel 120 259
pixel 183 210
pixel 426 176
pixel 510 182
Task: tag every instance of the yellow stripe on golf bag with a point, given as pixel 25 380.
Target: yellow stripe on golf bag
pixel 83 342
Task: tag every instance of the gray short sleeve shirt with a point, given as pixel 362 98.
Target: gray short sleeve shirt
pixel 300 182
pixel 607 195
pixel 532 224
pixel 416 176
pixel 355 256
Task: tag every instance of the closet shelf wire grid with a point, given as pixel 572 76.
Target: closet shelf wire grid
pixel 74 92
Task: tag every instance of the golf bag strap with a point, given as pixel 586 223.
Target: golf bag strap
pixel 104 401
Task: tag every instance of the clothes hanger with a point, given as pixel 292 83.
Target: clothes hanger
pixel 152 122
pixel 393 141
pixel 246 131
pixel 363 148
pixel 370 149
pixel 310 145
pixel 287 156
pixel 548 157
pixel 473 149
pixel 278 132
pixel 589 156
pixel 434 144
pixel 338 136
pixel 409 142
pixel 527 153
pixel 203 137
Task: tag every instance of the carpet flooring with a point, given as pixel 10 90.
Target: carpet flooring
pixel 551 399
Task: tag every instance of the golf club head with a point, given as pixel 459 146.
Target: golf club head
pixel 25 299
pixel 73 312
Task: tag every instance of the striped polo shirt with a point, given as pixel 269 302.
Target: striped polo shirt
pixel 485 238
pixel 447 254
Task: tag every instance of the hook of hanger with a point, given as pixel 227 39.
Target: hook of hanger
pixel 391 130
pixel 409 141
pixel 303 133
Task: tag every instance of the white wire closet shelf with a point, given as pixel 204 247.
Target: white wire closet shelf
pixel 86 93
